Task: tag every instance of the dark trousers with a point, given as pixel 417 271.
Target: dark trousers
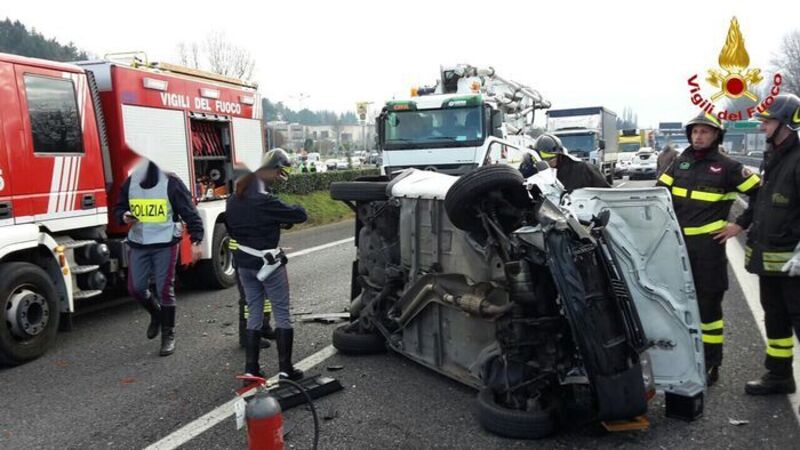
pixel 780 298
pixel 159 263
pixel 712 325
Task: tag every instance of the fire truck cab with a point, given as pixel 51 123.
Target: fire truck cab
pixel 70 135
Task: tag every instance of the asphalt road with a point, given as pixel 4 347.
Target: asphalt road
pixel 104 386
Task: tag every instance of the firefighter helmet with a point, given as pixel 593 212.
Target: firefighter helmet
pixel 785 109
pixel 548 146
pixel 708 120
pixel 276 158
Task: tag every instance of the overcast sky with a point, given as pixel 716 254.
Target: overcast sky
pixel 615 54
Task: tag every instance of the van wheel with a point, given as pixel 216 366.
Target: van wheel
pixel 349 341
pixel 29 305
pixel 466 195
pixel 218 272
pixel 359 191
pixel 513 423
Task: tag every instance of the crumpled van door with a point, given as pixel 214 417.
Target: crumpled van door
pixel 645 238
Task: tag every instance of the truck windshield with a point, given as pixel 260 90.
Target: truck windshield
pixel 451 127
pixel 630 147
pixel 579 145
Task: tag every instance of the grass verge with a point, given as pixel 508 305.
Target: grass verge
pixel 321 208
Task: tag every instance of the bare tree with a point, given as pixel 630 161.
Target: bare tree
pixel 226 58
pixel 217 54
pixel 787 62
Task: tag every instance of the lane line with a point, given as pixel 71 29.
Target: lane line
pixel 225 410
pixel 622 184
pixel 319 247
pixel 749 284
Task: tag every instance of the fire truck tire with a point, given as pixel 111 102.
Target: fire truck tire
pixel 29 304
pixel 218 272
pixel 349 341
pixel 464 195
pixel 513 423
pixel 359 191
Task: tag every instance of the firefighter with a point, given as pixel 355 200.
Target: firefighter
pixel 154 203
pixel 773 243
pixel 704 184
pixel 570 171
pixel 255 218
pixel 527 168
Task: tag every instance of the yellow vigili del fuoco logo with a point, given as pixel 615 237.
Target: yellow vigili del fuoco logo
pixel 149 210
pixel 734 79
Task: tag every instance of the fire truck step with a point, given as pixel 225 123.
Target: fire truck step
pixel 70 243
pixel 317 386
pixel 81 295
pixel 77 270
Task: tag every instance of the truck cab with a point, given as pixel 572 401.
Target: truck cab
pixel 589 134
pixel 470 119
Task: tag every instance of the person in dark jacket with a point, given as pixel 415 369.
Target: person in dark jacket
pixel 665 159
pixel 704 184
pixel 155 203
pixel 773 243
pixel 527 168
pixel 571 172
pixel 254 218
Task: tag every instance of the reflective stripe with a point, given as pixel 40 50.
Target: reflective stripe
pixel 546 155
pixel 666 179
pixel 748 251
pixel 712 196
pixel 773 267
pixel 679 191
pixel 780 352
pixel 785 342
pixel 749 183
pixel 705 229
pixel 713 339
pixel 718 325
pixel 267 306
pixel 780 257
pixel 232 244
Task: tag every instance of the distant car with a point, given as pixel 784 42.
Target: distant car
pixel 330 164
pixel 755 154
pixel 342 165
pixel 643 165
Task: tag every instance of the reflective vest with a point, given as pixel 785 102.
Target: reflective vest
pixel 153 210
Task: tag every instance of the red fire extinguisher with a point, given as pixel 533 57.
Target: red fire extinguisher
pixel 264 418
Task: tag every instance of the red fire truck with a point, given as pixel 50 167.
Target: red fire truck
pixel 69 136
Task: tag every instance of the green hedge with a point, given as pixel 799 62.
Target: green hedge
pixel 306 183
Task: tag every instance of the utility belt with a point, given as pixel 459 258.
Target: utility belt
pixel 273 259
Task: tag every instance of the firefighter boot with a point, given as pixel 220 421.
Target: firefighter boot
pixel 712 375
pixel 167 330
pixel 155 316
pixel 771 383
pixel 284 337
pixel 252 349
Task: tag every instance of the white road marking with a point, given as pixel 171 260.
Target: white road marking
pixel 225 410
pixel 622 184
pixel 749 284
pixel 319 247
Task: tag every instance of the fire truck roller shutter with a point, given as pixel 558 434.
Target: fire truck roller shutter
pixel 160 136
pixel 248 142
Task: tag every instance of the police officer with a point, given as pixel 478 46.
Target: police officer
pixel 773 243
pixel 154 203
pixel 570 171
pixel 704 184
pixel 267 333
pixel 255 218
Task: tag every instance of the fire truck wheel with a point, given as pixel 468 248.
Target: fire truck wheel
pixel 30 310
pixel 513 423
pixel 349 341
pixel 218 272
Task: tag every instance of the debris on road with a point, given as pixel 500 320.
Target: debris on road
pixel 737 422
pixel 334 368
pixel 328 318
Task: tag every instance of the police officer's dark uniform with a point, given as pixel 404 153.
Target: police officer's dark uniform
pixel 255 217
pixel 773 246
pixel 571 172
pixel 704 184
